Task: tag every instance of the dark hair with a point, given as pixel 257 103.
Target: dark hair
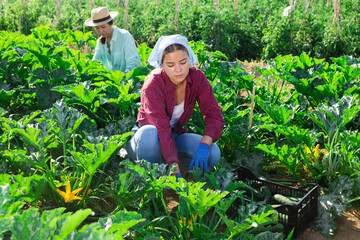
pixel 102 39
pixel 172 48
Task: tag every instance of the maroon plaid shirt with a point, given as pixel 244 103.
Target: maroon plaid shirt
pixel 158 102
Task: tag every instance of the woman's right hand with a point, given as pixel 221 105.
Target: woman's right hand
pixel 178 175
pixel 200 159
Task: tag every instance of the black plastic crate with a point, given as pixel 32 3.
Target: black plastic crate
pixel 293 216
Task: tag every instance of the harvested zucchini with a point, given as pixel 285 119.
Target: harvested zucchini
pixel 252 192
pixel 275 205
pixel 286 200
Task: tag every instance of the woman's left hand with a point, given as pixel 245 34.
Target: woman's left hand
pixel 200 158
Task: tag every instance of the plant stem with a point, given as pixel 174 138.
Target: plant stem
pixel 251 114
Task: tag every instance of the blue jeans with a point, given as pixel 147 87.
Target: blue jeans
pixel 144 144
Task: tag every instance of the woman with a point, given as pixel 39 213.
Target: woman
pixel 116 47
pixel 168 99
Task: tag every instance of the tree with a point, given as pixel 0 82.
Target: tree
pixel 58 5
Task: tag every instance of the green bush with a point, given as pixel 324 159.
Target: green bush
pixel 255 29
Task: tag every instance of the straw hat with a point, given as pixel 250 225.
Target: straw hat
pixel 100 16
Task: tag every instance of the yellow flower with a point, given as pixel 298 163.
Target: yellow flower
pixel 307 150
pixel 69 195
pixel 247 104
pixel 319 153
pixel 324 152
pixel 186 222
pixel 316 151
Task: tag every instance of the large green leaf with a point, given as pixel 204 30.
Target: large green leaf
pixel 200 200
pixel 129 189
pixel 6 97
pixel 333 117
pixel 281 115
pixel 28 226
pixel 66 121
pixel 234 227
pixel 51 220
pixel 121 222
pixel 144 52
pixel 8 204
pixel 36 135
pixel 119 95
pixel 53 224
pixel 43 32
pixel 83 95
pixel 91 231
pixel 112 227
pixel 72 222
pixel 99 154
pixel 31 188
pixel 295 134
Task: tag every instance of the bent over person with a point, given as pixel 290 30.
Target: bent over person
pixel 168 98
pixel 116 47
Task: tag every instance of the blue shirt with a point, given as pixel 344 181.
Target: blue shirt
pixel 124 55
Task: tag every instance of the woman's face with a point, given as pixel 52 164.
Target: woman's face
pixel 176 66
pixel 104 30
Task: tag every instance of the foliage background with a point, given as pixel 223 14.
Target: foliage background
pixel 64 118
pixel 244 30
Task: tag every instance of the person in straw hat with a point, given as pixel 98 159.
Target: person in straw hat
pixel 168 98
pixel 116 47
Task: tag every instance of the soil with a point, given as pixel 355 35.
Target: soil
pixel 348 228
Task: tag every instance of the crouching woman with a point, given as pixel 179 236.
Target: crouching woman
pixel 168 98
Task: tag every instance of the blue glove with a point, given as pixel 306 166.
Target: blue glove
pixel 200 158
pixel 178 175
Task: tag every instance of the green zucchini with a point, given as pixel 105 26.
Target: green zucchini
pixel 286 200
pixel 252 192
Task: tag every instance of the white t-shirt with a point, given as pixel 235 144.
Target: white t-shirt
pixel 178 110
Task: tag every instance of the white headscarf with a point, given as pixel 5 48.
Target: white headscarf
pixel 165 41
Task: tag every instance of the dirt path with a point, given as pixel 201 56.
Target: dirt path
pixel 348 228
